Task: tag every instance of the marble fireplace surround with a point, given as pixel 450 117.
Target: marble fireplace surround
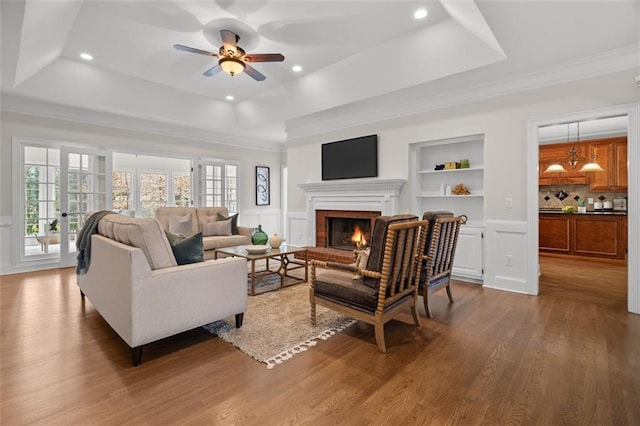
pixel 350 195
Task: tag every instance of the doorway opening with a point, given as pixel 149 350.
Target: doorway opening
pixel 631 118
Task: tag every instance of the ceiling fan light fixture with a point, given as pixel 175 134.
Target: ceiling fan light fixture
pixel 231 66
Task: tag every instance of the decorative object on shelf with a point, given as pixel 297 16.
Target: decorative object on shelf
pixel 460 189
pixel 451 165
pixel 439 167
pixel 263 197
pixel 447 190
pixel 464 164
pixel 259 237
pixel 275 241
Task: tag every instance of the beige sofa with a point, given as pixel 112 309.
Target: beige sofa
pixel 134 282
pixel 201 216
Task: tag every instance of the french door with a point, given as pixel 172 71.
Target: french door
pixel 85 186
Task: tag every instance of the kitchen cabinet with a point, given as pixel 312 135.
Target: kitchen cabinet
pixel 600 236
pixel 560 153
pixel 611 154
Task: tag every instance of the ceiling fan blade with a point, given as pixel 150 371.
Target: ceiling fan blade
pixel 230 40
pixel 212 71
pixel 253 73
pixel 264 57
pixel 194 50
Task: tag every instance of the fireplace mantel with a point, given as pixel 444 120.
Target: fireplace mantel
pixel 362 194
pixel 389 186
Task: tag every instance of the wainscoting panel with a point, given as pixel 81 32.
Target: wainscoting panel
pixel 297 229
pixel 269 219
pixel 506 259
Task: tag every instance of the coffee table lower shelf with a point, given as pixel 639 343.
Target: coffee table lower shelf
pixel 280 255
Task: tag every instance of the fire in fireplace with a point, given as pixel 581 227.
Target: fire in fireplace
pixel 344 229
pixel 348 234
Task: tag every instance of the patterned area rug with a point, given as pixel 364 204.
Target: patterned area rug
pixel 277 325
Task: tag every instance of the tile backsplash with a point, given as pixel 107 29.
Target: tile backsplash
pixel 558 196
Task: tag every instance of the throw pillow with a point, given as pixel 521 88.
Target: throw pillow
pixel 362 256
pixel 181 224
pixel 220 227
pixel 186 249
pixel 234 222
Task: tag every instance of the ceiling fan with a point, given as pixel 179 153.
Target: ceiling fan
pixel 232 59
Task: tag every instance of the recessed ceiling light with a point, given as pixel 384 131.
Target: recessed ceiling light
pixel 296 68
pixel 86 56
pixel 420 13
pixel 229 97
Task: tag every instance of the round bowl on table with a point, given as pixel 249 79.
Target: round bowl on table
pixel 256 249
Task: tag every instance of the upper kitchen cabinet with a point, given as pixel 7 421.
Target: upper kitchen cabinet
pixel 561 153
pixel 611 154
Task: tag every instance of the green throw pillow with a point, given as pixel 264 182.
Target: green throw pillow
pixel 186 249
pixel 234 222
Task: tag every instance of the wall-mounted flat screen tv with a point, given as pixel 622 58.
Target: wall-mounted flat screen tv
pixel 350 158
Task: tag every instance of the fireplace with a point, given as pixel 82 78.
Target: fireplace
pixel 350 198
pixel 344 229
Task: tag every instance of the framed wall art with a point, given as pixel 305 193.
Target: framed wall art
pixel 263 196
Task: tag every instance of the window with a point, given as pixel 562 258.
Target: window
pixel 218 185
pixel 41 173
pixel 182 190
pixel 122 191
pixel 153 193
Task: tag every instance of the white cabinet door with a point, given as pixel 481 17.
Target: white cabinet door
pixel 468 262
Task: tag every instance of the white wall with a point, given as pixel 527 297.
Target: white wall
pixel 503 121
pixel 21 125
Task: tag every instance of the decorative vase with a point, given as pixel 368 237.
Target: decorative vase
pixel 259 237
pixel 275 241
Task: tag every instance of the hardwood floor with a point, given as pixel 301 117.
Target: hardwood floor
pixel 570 356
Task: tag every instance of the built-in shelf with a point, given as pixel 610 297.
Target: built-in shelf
pixel 427 186
pixel 454 171
pixel 472 195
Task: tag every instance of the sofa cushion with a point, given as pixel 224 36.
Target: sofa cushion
pixel 221 227
pixel 210 214
pixel 144 233
pixel 234 222
pixel 181 224
pixel 186 249
pixel 163 213
pixel 211 243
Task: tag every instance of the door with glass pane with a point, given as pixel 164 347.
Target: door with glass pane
pixel 85 186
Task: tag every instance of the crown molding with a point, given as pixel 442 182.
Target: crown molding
pixel 29 106
pixel 609 62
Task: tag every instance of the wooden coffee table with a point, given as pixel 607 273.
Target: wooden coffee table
pixel 280 255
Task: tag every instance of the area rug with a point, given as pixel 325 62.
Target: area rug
pixel 277 325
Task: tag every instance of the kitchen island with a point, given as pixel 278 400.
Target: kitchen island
pixel 600 235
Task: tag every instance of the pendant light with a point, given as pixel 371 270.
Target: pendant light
pixel 557 167
pixel 593 166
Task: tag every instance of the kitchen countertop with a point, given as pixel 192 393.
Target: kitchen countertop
pixel 607 213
